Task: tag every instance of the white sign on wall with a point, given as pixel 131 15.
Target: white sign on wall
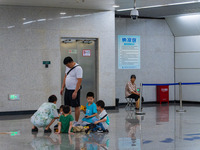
pixel 128 52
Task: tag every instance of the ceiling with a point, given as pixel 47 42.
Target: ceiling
pixel 164 11
pixel 79 4
pixel 156 12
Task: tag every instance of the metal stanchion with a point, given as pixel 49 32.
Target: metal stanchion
pixel 140 109
pixel 180 97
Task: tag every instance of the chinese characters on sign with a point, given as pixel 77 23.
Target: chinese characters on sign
pixel 128 52
pixel 86 52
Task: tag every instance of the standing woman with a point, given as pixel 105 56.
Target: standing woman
pixel 71 84
pixel 131 91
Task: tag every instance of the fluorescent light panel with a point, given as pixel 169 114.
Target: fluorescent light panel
pixel 63 13
pixel 28 22
pixel 155 6
pixel 41 20
pixel 115 6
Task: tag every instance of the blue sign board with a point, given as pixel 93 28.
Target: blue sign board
pixel 128 52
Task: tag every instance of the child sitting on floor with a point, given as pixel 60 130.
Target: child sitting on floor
pixel 65 121
pixel 103 123
pixel 91 109
pixel 60 113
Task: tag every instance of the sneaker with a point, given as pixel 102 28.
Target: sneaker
pixel 106 130
pixel 100 131
pixel 35 129
pixel 138 108
pixel 47 131
pixel 86 131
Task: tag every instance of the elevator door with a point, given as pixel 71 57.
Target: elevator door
pixel 83 52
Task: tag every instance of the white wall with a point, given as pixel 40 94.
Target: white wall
pixel 187 65
pixel 184 25
pixel 187 53
pixel 157 55
pixel 24 47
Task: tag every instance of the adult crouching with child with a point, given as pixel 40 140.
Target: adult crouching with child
pixel 45 115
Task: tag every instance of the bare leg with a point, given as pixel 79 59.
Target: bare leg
pixel 77 113
pixel 47 127
pixel 59 127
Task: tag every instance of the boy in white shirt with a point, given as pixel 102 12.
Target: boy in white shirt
pixel 103 123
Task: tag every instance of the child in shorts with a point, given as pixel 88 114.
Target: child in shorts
pixel 91 109
pixel 103 122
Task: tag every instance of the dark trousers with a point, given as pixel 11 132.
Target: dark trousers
pixel 136 97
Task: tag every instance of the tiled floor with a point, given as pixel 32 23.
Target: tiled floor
pixel 162 128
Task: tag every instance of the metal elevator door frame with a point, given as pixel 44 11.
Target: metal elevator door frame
pixel 96 61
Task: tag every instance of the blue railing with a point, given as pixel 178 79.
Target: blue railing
pixel 162 84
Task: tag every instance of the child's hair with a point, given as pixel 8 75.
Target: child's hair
pixel 90 94
pixel 100 103
pixel 52 98
pixel 66 109
pixel 61 107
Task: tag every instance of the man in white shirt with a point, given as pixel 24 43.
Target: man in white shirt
pixel 72 84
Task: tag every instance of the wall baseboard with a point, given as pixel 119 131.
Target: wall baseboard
pixel 171 102
pixel 28 112
pixel 110 107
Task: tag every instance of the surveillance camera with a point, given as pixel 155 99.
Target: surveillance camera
pixel 134 14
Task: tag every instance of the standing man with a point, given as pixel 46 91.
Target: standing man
pixel 71 85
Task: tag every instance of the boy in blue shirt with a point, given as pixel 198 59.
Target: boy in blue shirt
pixel 91 108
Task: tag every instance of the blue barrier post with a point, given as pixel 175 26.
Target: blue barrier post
pixel 181 99
pixel 140 109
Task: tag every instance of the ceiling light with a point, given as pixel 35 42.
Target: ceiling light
pixel 28 22
pixel 77 15
pixel 190 17
pixel 23 18
pixel 115 6
pixel 9 27
pixel 62 13
pixel 126 9
pixel 66 17
pixel 156 6
pixel 41 20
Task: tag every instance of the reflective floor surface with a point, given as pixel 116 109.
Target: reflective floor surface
pixel 161 128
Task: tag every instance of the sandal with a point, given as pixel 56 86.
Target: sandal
pixel 47 131
pixel 35 129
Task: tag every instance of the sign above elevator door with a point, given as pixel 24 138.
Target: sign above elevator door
pixel 86 52
pixel 72 51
